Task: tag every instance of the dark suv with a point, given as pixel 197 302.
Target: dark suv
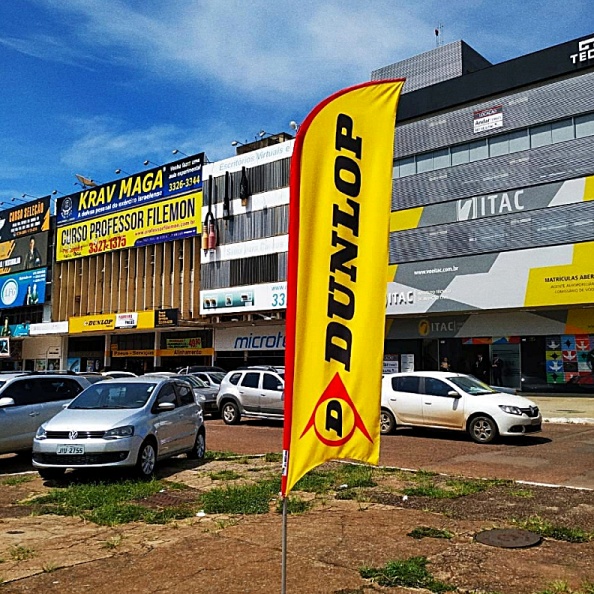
pixel 29 399
pixel 256 392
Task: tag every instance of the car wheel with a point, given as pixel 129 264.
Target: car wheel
pixel 387 422
pixel 230 413
pixel 482 429
pixel 147 460
pixel 51 473
pixel 199 449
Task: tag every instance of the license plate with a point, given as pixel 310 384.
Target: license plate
pixel 70 449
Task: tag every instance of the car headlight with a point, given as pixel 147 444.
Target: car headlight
pixel 202 397
pixel 41 433
pixel 127 431
pixel 510 410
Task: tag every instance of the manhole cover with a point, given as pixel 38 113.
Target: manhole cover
pixel 508 538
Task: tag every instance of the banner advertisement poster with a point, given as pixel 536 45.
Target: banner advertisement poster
pixel 155 206
pixel 28 218
pixel 73 364
pixel 340 198
pixel 408 362
pixel 391 364
pixel 23 288
pixel 183 343
pixel 165 318
pixel 260 297
pixel 24 253
pixel 4 347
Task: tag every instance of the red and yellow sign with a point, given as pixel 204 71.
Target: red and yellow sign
pixel 341 188
pixel 107 322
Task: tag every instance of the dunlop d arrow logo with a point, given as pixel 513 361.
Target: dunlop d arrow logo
pixel 335 417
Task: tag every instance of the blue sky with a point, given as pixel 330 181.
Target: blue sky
pixel 92 86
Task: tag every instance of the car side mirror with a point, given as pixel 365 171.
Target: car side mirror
pixel 163 406
pixel 453 394
pixel 6 402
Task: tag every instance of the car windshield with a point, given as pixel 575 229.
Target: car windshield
pixel 195 381
pixel 113 394
pixel 216 377
pixel 471 385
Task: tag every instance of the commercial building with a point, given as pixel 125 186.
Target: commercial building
pixel 491 237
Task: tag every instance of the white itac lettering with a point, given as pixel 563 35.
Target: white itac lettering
pixel 400 298
pixel 487 206
pixel 585 51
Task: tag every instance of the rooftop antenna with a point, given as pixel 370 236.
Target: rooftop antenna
pixel 438 35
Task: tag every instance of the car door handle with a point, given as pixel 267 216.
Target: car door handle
pixel 34 414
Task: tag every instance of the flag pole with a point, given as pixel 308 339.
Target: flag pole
pixel 284 549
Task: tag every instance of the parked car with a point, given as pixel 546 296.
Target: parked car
pixel 256 392
pixel 93 376
pixel 211 378
pixel 28 399
pixel 195 368
pixel 131 422
pixel 456 401
pixel 118 374
pixel 205 395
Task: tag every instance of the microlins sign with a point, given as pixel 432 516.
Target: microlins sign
pixel 585 51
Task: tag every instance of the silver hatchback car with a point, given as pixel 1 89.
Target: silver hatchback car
pixel 122 423
pixel 27 400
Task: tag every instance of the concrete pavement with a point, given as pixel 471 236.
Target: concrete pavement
pixel 561 408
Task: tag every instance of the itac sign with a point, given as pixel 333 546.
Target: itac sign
pixel 585 51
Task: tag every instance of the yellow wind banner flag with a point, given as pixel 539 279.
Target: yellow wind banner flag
pixel 341 189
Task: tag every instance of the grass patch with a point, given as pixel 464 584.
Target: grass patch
pixel 408 573
pixel 451 488
pixel 215 455
pixel 109 504
pixel 332 478
pixel 561 587
pixel 20 553
pixel 550 530
pixel 295 505
pixel 241 499
pixel 12 481
pixel 224 475
pixel 273 457
pixel 113 543
pixel 427 532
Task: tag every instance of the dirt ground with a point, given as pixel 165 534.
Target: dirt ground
pixel 327 545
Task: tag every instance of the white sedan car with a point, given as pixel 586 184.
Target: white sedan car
pixel 443 400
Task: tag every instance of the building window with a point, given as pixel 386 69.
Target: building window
pixel 496 146
pixel 460 155
pixel 518 141
pixel 441 159
pixel 499 146
pixel 425 163
pixel 540 136
pixel 563 130
pixel 584 125
pixel 478 150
